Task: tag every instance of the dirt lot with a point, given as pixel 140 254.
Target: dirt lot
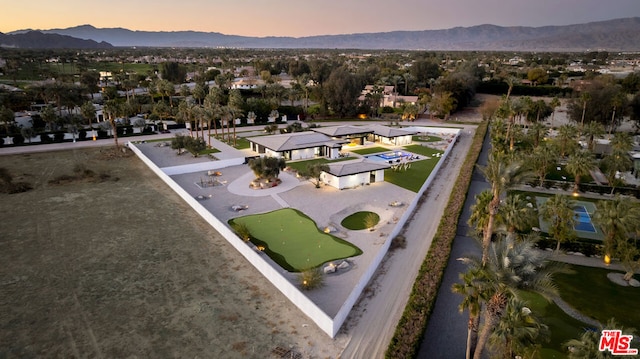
pixel 119 267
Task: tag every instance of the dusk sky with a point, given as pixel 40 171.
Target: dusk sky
pixel 305 17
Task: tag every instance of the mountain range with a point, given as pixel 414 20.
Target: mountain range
pixel 610 35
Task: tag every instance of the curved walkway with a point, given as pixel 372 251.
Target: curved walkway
pixel 240 186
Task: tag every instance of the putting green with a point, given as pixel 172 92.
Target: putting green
pixel 358 220
pixel 293 240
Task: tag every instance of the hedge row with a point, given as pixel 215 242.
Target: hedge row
pixel 413 323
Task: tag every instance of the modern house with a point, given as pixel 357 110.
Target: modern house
pixel 351 174
pixel 297 145
pixel 374 133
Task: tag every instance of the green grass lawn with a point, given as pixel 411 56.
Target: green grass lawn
pixel 557 175
pixel 360 220
pixel 208 151
pixel 371 150
pixel 293 240
pixel 589 291
pixel 562 327
pixel 413 178
pixel 302 165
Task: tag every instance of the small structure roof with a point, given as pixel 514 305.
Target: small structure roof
pixel 390 132
pixel 347 130
pixel 350 130
pixel 296 140
pixel 340 169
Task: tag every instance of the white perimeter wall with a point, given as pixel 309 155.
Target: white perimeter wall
pixel 323 321
pixel 287 288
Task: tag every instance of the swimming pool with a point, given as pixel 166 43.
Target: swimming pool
pixel 583 220
pixel 392 155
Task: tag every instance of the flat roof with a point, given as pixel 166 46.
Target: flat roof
pixel 341 169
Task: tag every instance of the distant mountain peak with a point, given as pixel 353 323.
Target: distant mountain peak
pixel 613 35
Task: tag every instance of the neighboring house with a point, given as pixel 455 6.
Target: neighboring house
pixel 352 174
pixel 297 145
pixel 389 97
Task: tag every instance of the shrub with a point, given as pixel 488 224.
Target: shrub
pixel 242 230
pixel 58 136
pixel 45 138
pixel 102 134
pixel 398 242
pixel 311 278
pixel 370 220
pixel 82 134
pixel 18 140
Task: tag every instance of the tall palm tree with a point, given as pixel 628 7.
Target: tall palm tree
pixel 511 266
pixel 541 160
pixel 501 175
pixel 592 130
pixel 479 216
pixel 473 294
pixel 516 214
pixel 585 97
pixel 614 162
pixel 567 135
pixel 617 218
pixel 580 164
pixel 555 103
pixel 113 109
pixel 622 142
pixel 519 331
pixel 558 210
pixel 537 131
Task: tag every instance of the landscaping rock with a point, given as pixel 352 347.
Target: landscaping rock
pixel 329 269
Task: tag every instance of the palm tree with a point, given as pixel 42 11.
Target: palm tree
pixel 480 211
pixel 622 142
pixel 614 162
pixel 510 266
pixel 516 214
pixel 113 109
pixel 584 98
pixel 555 103
pixel 592 130
pixel 580 164
pixel 501 175
pixel 588 346
pixel 519 331
pixel 537 131
pixel 473 295
pixel 558 210
pixel 617 218
pixel 541 160
pixel 566 135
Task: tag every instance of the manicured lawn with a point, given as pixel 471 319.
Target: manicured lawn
pixel 371 150
pixel 561 326
pixel 589 291
pixel 302 165
pixel 562 175
pixel 413 178
pixel 358 220
pixel 294 241
pixel 241 143
pixel 208 151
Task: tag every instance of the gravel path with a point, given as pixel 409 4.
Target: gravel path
pixel 373 320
